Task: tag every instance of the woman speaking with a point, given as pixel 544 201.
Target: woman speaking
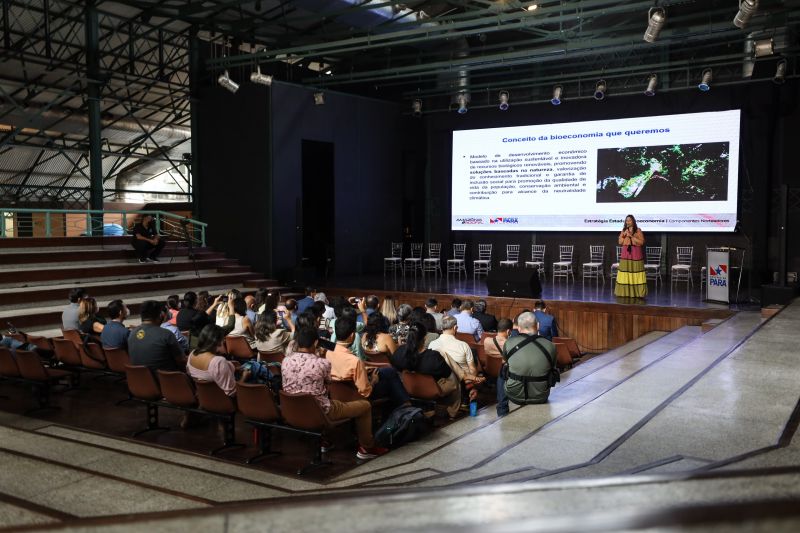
pixel 631 278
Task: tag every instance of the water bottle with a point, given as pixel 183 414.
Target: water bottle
pixel 473 408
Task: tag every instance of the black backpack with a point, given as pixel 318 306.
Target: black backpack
pixel 405 424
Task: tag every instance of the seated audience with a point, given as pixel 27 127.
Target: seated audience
pixel 115 334
pixel 266 300
pixel 430 326
pixel 305 303
pixel 458 351
pixel 547 322
pixel 13 344
pixel 432 307
pixel 152 346
pixel 455 307
pixel 289 312
pixel 223 312
pixel 529 358
pixel 90 323
pixel 372 384
pixel 304 372
pixel 173 306
pixel 466 322
pixel 372 303
pixel 376 336
pixel 413 356
pixel 399 330
pixel 344 309
pixel 328 314
pixel 192 317
pixel 146 241
pixel 269 337
pixel 69 317
pixel 388 310
pixel 242 327
pixel 494 345
pixel 488 322
pixel 318 308
pixel 206 364
pixel 250 302
pixel 172 328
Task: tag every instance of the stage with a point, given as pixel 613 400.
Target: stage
pixel 588 312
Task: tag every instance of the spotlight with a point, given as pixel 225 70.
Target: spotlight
pixel 747 8
pixel 557 91
pixel 600 90
pixel 319 98
pixel 705 82
pixel 656 18
pixel 462 101
pixel 416 108
pixel 261 79
pixel 533 7
pixel 780 73
pixel 226 82
pixel 503 97
pixel 765 47
pixel 651 85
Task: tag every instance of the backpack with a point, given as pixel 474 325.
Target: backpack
pixel 405 424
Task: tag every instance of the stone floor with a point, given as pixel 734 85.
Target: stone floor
pixel 671 428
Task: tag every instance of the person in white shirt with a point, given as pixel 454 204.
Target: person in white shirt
pixel 457 350
pixel 466 322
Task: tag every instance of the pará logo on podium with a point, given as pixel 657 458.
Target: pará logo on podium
pixel 718 276
pixel 504 220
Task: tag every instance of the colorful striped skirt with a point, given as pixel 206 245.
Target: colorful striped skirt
pixel 631 277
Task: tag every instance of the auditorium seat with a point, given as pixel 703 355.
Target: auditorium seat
pixel 237 347
pixel 572 346
pixel 272 357
pixel 72 335
pixel 67 352
pixel 457 264
pixel 303 413
pixel 256 403
pixel 177 389
pixel 379 358
pixel 144 388
pixel 343 391
pixel 469 338
pixel 93 357
pixel 117 358
pixel 493 366
pixel 563 357
pixel 33 370
pixel 421 387
pixel 8 364
pixel 214 401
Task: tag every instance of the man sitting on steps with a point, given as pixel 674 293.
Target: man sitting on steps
pixel 147 243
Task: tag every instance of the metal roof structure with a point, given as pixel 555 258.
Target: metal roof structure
pixel 435 52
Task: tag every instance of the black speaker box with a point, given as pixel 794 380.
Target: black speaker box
pixel 514 282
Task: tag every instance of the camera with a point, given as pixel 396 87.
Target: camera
pixel 224 299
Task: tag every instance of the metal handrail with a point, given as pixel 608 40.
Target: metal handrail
pixel 94 222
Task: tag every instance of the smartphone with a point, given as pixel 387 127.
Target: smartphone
pixel 328 345
pixel 11 329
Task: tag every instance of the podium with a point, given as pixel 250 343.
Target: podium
pixel 719 273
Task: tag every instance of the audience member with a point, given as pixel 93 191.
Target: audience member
pixel 290 312
pixel 376 335
pixel 222 310
pixel 372 302
pixel 13 344
pixel 90 323
pixel 269 337
pixel 205 363
pixel 466 322
pixel 399 330
pixel 488 322
pixel 172 328
pixel 529 358
pixel 318 308
pixel 304 372
pixel 305 303
pixel 547 322
pixel 146 241
pixel 455 307
pixel 414 357
pixel 432 307
pixel 152 346
pixel 458 351
pixel 328 314
pixel 242 327
pixel 173 307
pixel 494 345
pixel 69 317
pixel 192 317
pixel 345 366
pixel 430 325
pixel 115 334
pixel 388 310
pixel 266 300
pixel 344 309
pixel 250 302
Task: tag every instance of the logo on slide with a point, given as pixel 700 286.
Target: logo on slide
pixel 504 220
pixel 472 220
pixel 718 275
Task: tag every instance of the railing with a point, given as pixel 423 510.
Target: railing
pixel 79 223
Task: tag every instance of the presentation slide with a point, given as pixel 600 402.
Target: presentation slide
pixel 672 172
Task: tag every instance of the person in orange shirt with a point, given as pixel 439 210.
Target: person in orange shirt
pixel 494 345
pixel 372 383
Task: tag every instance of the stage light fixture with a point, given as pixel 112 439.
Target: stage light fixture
pixel 763 48
pixel 747 8
pixel 600 90
pixel 652 82
pixel 462 101
pixel 226 82
pixel 533 7
pixel 656 18
pixel 261 79
pixel 319 98
pixel 558 90
pixel 705 81
pixel 416 107
pixel 780 73
pixel 503 98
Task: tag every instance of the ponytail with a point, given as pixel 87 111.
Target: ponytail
pixel 414 341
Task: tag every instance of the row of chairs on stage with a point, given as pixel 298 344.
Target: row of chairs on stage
pixel 681 271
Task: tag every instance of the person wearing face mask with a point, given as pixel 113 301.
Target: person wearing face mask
pixel 631 278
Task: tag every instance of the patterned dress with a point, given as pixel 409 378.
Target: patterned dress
pixel 631 277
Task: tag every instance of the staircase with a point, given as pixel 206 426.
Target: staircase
pixel 36 275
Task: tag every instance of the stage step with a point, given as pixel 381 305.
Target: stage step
pixel 52 256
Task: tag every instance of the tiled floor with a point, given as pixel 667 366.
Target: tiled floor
pixel 666 421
